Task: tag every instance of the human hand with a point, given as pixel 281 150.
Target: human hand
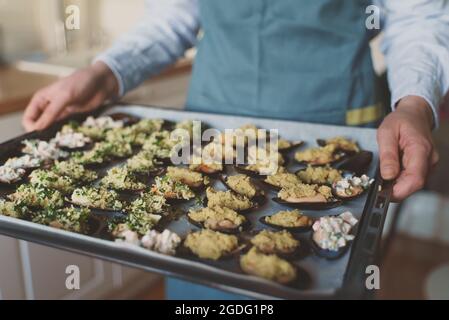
pixel 406 149
pixel 82 91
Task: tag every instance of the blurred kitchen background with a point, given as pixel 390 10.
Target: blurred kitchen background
pixel 36 49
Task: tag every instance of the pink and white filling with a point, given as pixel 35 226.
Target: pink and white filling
pixel 71 139
pixel 353 185
pixel 43 150
pixel 164 242
pixel 102 123
pixel 333 232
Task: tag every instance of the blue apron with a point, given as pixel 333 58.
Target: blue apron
pixel 303 60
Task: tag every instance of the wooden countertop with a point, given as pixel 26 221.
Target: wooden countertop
pixel 17 87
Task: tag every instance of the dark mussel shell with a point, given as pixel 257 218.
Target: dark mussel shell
pixel 198 189
pixel 333 203
pixel 12 185
pixel 259 200
pixel 294 145
pixel 245 226
pixel 168 125
pixel 128 192
pixel 291 229
pixel 175 201
pixel 164 221
pixel 150 173
pixel 303 280
pixel 101 231
pixel 270 186
pixel 165 162
pixel 116 157
pixel 127 119
pixel 46 164
pixel 95 165
pixel 322 143
pixel 358 163
pixel 95 225
pixel 253 174
pixel 325 253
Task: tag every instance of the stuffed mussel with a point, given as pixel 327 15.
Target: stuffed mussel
pixel 332 235
pixel 319 156
pixel 97 198
pixel 322 175
pixel 11 176
pixel 351 187
pixel 268 266
pixel 291 220
pixel 243 185
pixel 281 179
pixel 211 245
pixel 308 196
pixel 172 189
pixel 341 143
pixel 76 172
pixel 261 163
pixel 281 242
pixel 218 219
pixel 51 180
pixel 229 199
pixel 188 177
pixel 121 179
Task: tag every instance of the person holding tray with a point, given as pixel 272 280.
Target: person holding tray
pixel 287 59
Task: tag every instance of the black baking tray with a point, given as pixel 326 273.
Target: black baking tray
pixel 363 252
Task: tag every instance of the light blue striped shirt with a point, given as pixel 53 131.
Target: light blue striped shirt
pixel 415 44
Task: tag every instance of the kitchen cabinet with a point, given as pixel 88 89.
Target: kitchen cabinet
pixel 11 277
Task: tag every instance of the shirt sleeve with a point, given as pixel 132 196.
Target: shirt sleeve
pixel 168 29
pixel 416 47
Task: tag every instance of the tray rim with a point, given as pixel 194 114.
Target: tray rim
pixel 107 250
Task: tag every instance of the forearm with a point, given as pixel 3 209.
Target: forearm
pixel 168 29
pixel 417 107
pixel 416 47
pixel 106 78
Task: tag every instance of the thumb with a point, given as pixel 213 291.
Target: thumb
pixel 435 157
pixel 388 153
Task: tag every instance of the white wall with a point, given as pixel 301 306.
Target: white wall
pixel 117 16
pixel 18 33
pixel 37 26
